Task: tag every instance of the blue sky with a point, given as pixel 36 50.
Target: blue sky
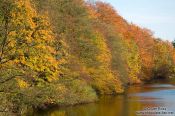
pixel 156 15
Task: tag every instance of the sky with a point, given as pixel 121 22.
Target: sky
pixel 156 15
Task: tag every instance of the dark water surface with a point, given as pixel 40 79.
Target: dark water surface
pixel 137 98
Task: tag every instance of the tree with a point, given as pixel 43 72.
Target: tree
pixel 163 59
pixel 173 43
pixel 26 38
pixel 27 52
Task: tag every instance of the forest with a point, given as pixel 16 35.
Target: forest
pixel 67 52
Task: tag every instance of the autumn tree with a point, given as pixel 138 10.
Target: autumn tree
pixel 145 41
pixel 163 59
pixel 125 52
pixel 27 48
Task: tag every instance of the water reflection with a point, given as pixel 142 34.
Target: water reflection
pixel 137 98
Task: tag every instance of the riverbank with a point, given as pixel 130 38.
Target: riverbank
pixel 137 98
pixel 97 98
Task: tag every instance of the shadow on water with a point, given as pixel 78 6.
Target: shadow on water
pixel 161 94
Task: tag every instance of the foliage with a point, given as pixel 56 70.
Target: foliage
pixel 66 52
pixel 27 51
pixel 163 59
pixel 133 62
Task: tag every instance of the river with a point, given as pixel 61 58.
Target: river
pixel 157 97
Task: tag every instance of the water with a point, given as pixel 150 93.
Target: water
pixel 137 98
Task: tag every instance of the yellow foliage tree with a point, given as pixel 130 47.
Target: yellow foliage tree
pixel 27 41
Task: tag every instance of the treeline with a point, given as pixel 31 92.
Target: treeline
pixel 65 52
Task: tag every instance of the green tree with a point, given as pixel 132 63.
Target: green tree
pixel 173 43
